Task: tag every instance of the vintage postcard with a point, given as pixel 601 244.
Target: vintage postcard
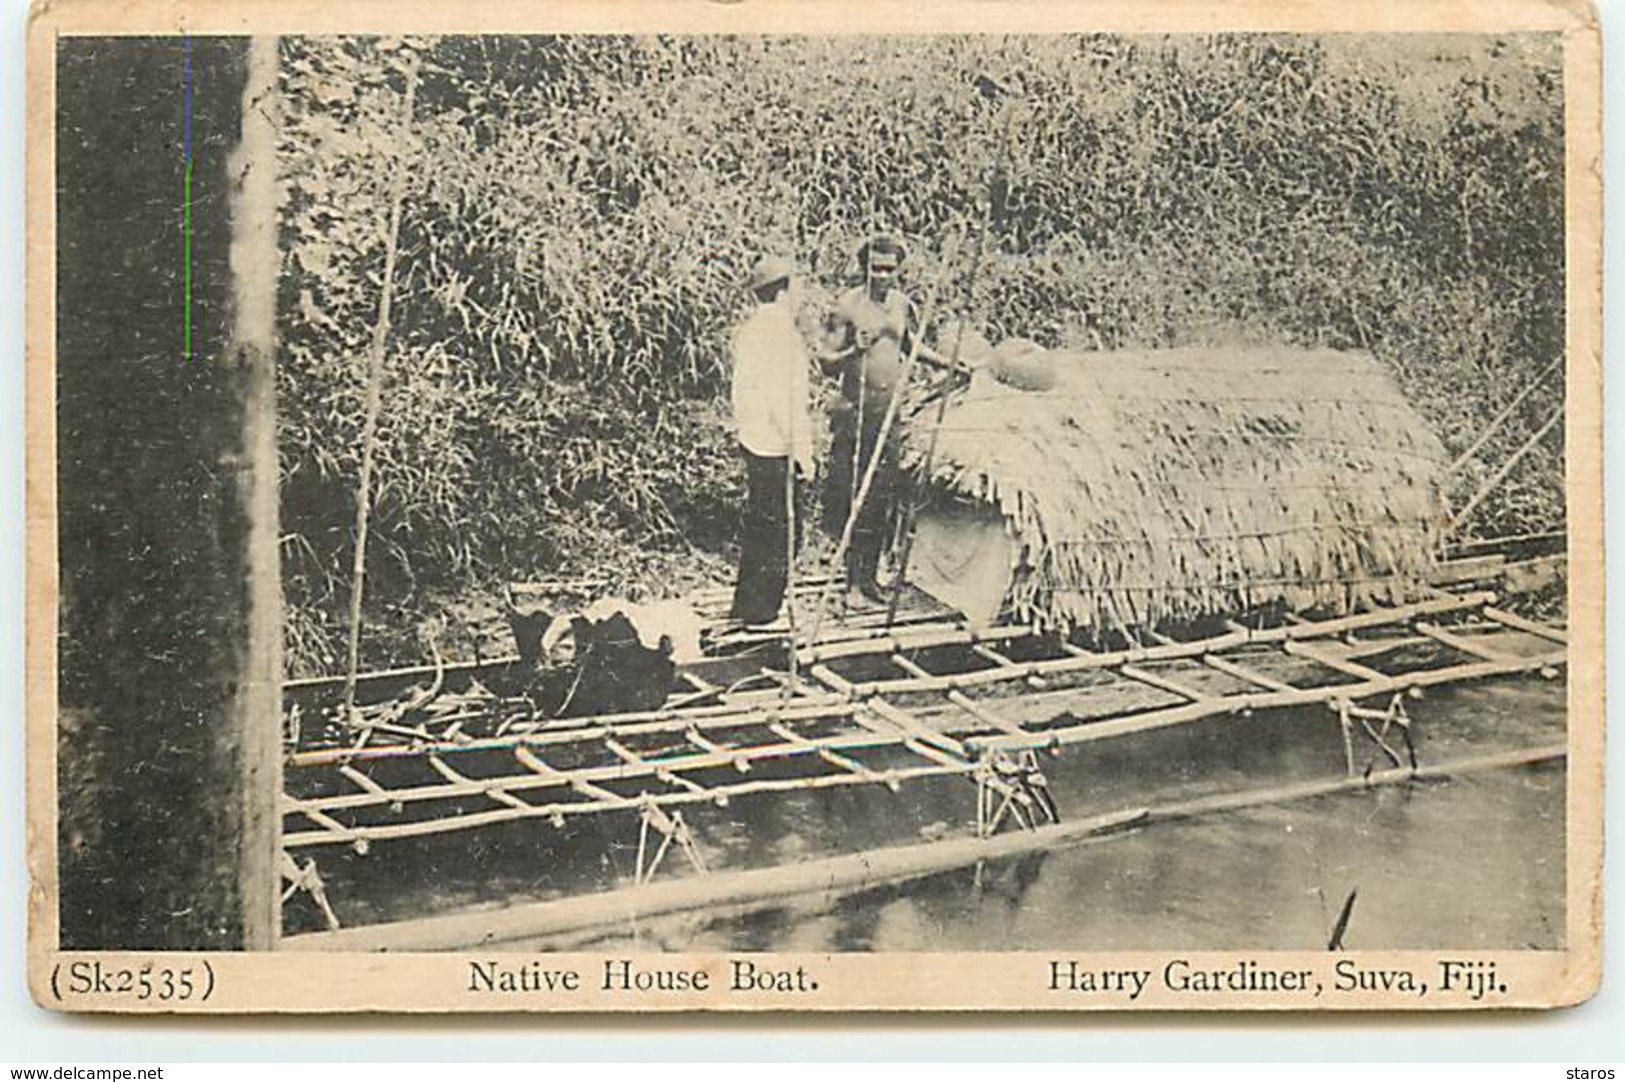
pixel 825 506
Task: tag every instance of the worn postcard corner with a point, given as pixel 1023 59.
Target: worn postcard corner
pixel 837 507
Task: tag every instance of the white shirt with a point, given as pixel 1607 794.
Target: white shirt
pixel 771 385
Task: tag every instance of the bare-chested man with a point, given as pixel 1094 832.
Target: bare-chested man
pixel 869 338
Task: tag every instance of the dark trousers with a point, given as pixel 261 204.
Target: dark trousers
pixel 764 553
pixel 878 514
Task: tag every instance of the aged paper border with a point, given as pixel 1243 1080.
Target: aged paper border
pixel 901 981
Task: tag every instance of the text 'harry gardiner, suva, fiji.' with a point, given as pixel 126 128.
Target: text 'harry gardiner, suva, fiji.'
pixel 1470 980
pixel 740 975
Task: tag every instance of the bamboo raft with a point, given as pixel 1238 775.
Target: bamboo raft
pixel 875 706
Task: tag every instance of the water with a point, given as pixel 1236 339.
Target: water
pixel 1473 862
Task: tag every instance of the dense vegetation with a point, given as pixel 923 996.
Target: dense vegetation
pixel 577 215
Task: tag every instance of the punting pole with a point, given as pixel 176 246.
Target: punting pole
pixel 841 875
pixel 867 483
pixel 990 89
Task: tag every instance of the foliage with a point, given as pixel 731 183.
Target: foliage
pixel 579 212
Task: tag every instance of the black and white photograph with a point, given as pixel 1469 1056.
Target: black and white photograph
pixel 692 502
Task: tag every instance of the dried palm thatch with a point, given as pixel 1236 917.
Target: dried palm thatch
pixel 1171 485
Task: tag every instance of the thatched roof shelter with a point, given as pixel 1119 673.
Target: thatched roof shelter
pixel 1171 485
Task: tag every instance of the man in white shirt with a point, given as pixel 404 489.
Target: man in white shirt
pixel 770 404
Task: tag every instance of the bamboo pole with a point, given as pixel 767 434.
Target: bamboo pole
pixel 1244 674
pixel 1331 661
pixel 637 724
pixel 1460 517
pixel 908 640
pixel 1460 643
pixel 923 478
pixel 1532 627
pixel 1508 540
pixel 339 834
pixel 1501 418
pixel 1162 683
pixel 790 544
pixel 835 877
pixel 374 400
pixel 550 777
pixel 1079 660
pixel 987 653
pixel 1224 802
pixel 407 672
pixel 891 641
pixel 1088 732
